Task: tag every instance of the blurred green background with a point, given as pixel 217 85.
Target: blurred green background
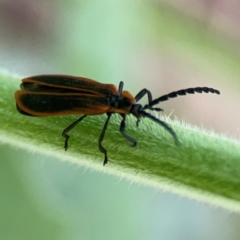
pixel 161 45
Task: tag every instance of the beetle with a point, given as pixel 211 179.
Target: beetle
pixel 55 95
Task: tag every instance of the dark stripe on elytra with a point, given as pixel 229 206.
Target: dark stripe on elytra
pixel 72 82
pixel 56 103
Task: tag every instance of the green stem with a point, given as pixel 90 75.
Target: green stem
pixel 206 166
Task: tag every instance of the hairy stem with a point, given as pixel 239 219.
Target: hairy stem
pixel 205 166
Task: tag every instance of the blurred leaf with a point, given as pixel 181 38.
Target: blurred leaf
pixel 21 217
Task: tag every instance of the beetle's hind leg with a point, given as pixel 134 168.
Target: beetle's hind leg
pixel 122 130
pixel 101 148
pixel 68 129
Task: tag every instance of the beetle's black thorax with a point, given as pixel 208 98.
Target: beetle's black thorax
pixel 118 102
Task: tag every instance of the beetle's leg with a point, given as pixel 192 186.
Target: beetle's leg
pixel 68 129
pixel 120 88
pixel 122 130
pixel 101 148
pixel 141 94
pixel 164 125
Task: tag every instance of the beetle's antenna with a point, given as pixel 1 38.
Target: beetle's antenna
pixel 120 88
pixel 181 93
pixel 163 124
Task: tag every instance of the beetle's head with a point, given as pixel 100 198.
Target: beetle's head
pixel 137 111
